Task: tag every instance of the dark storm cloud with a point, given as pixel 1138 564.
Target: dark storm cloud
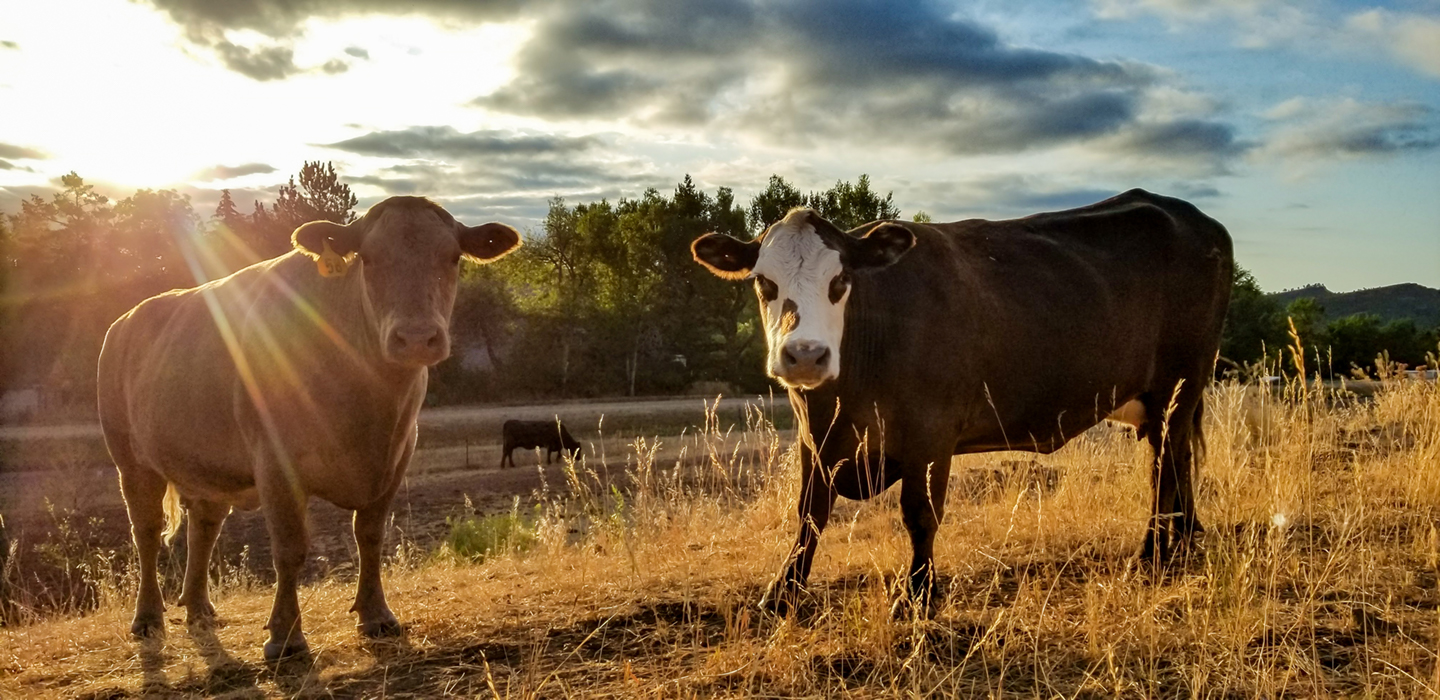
pixel 441 161
pixel 1184 136
pixel 21 152
pixel 910 72
pixel 265 63
pixel 446 142
pixel 225 172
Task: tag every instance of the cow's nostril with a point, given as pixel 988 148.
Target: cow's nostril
pixel 434 341
pixel 788 358
pixel 823 359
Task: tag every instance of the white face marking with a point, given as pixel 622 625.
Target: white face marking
pixel 801 268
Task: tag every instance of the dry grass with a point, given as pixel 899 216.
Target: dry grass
pixel 1317 578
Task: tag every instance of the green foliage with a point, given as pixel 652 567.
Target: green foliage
pixel 475 538
pixel 1253 323
pixel 1341 345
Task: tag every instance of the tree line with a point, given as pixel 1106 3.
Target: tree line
pixel 602 300
pixel 1259 332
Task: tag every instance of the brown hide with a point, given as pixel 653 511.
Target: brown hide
pixel 276 384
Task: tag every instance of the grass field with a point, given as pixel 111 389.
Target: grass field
pixel 1317 577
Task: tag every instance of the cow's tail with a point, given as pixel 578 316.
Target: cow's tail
pixel 174 513
pixel 1197 440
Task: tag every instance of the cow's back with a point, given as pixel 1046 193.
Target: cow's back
pixel 1041 325
pixel 167 381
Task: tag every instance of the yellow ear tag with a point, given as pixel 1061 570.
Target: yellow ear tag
pixel 331 263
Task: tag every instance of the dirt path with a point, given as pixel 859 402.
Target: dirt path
pixel 39 503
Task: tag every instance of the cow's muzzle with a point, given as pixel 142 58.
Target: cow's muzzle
pixel 417 344
pixel 804 364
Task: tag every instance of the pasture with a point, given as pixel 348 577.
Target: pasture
pixel 635 571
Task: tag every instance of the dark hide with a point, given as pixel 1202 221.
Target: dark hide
pixel 1015 335
pixel 531 434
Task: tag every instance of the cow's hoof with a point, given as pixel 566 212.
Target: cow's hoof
pixel 201 616
pixel 378 629
pixel 148 626
pixel 281 649
pixel 913 607
pixel 781 599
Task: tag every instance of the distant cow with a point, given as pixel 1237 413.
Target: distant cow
pixel 989 335
pixel 281 382
pixel 531 434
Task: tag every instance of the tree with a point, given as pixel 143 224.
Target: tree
pixel 848 206
pixel 1253 323
pixel 772 203
pixel 319 195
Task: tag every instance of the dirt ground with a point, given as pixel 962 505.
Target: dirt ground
pixel 457 461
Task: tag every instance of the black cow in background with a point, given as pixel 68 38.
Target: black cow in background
pixel 531 434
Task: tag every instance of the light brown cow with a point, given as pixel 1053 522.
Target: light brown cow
pixel 277 384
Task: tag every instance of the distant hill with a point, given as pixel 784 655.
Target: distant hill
pixel 1390 303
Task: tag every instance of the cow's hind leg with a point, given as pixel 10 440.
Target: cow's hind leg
pixel 144 491
pixel 1173 521
pixel 285 519
pixel 376 620
pixel 206 518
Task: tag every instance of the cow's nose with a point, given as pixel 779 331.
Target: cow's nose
pixel 421 341
pixel 804 356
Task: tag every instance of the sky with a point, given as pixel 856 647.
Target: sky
pixel 1309 128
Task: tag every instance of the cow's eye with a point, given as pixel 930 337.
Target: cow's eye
pixel 838 286
pixel 768 290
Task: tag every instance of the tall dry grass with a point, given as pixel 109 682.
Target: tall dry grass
pixel 1317 577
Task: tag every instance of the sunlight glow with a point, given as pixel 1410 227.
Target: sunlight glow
pixel 116 93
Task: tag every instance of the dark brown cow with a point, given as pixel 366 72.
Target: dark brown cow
pixel 277 384
pixel 530 434
pixel 989 335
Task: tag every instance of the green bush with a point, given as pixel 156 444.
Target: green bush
pixel 475 538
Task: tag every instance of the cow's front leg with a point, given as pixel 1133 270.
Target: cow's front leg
pixel 284 504
pixel 376 620
pixel 922 506
pixel 817 498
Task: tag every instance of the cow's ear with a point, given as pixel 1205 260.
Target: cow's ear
pixel 728 258
pixel 881 246
pixel 311 238
pixel 487 242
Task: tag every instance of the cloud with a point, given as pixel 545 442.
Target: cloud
pixel 21 152
pixel 910 74
pixel 357 52
pixel 207 24
pixel 266 63
pixel 442 141
pixel 9 45
pixel 7 165
pixel 227 172
pixel 522 169
pixel 334 66
pixel 1413 39
pixel 1349 129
